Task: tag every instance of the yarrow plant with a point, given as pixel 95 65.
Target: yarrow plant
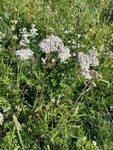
pixel 24 54
pixel 86 61
pixel 25 35
pixel 54 44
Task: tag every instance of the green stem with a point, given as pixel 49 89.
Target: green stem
pixel 20 139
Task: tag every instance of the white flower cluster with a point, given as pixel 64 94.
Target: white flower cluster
pixel 2 36
pixel 1 119
pixel 51 44
pixel 86 61
pixel 33 31
pixel 25 35
pixel 54 44
pixel 92 56
pixel 64 54
pixel 24 54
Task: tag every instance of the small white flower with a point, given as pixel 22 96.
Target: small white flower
pixel 32 33
pixel 74 46
pixel 74 54
pixel 66 31
pixel 12 28
pixel 33 25
pixel 1 119
pixel 78 36
pixel 24 42
pixel 111 108
pixel 74 42
pixel 43 60
pixel 64 54
pixel 14 21
pixel 2 36
pixel 33 30
pixel 24 54
pixel 23 31
pixel 53 60
pixel 78 45
pixel 15 37
pixel 94 143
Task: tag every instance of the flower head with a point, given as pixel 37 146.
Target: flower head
pixel 92 55
pixel 86 61
pixel 24 54
pixel 64 54
pixel 51 44
pixel 54 44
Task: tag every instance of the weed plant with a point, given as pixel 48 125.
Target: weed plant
pixel 47 102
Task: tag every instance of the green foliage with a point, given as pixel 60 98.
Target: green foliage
pixel 51 106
